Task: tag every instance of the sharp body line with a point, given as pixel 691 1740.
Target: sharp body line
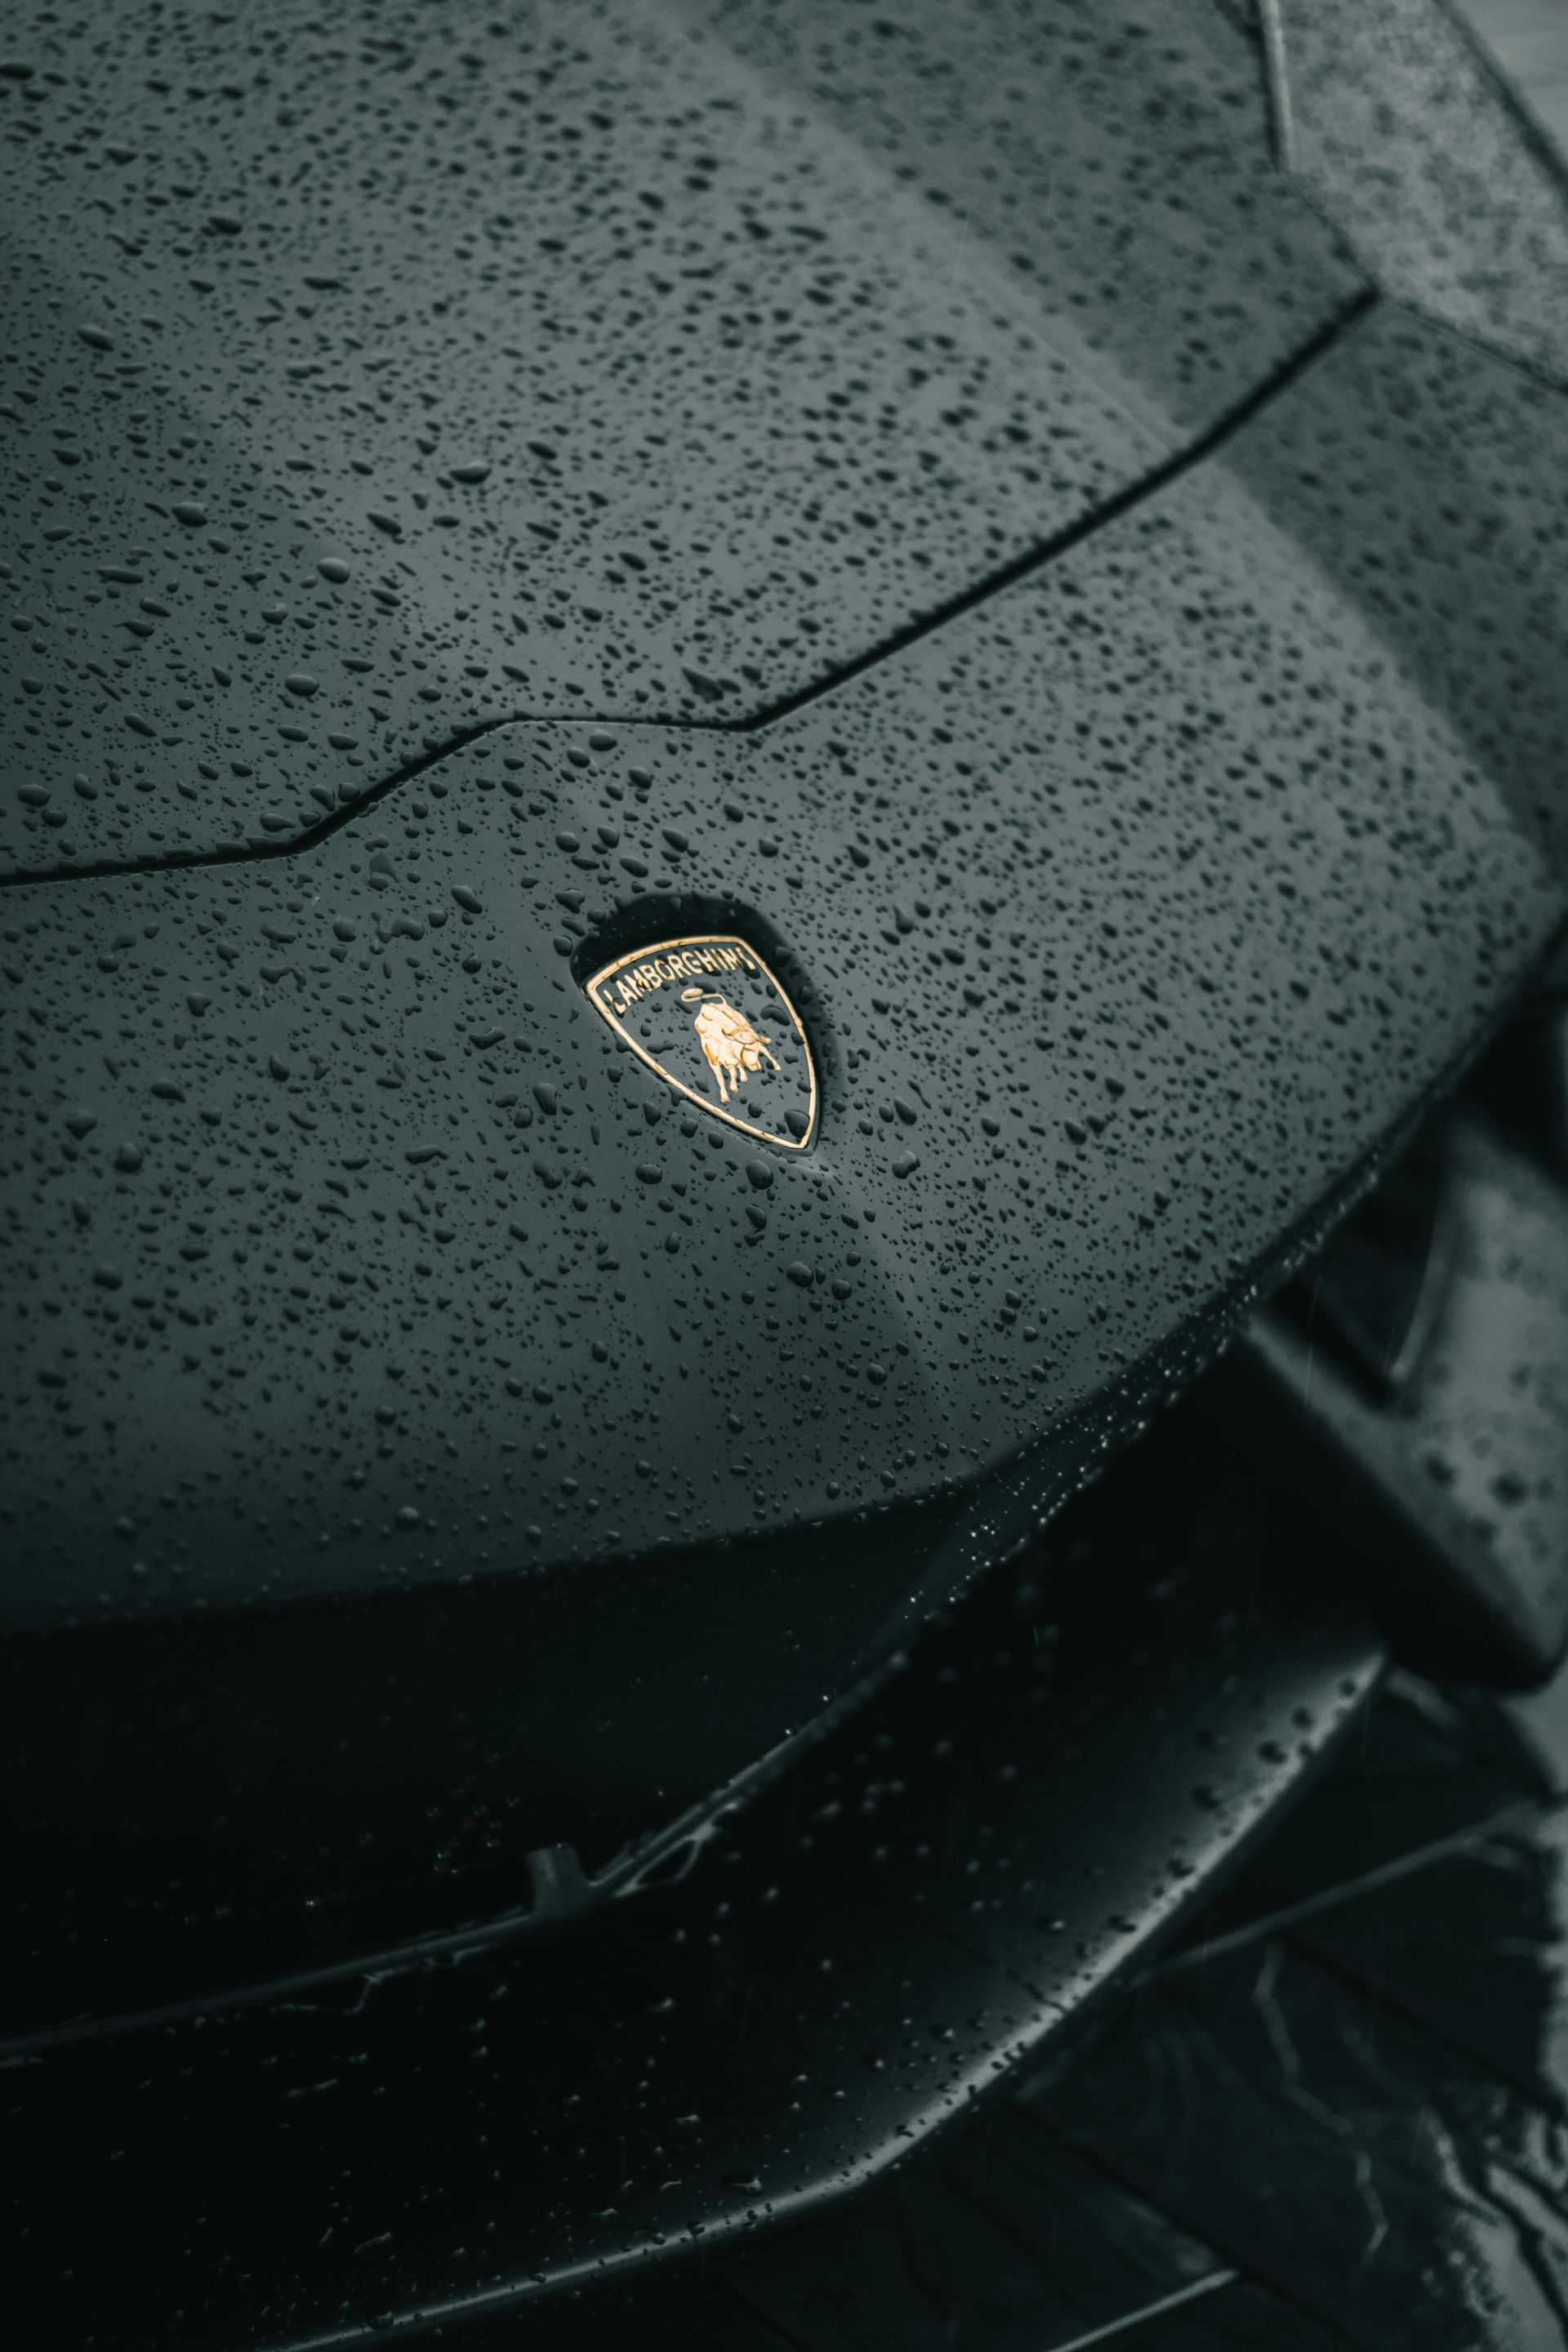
pixel 981 592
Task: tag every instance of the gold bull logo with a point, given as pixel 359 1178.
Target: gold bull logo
pixel 733 1050
pixel 690 1008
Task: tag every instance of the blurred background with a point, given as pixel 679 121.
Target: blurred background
pixel 1529 39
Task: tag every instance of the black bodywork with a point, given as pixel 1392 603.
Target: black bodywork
pixel 932 498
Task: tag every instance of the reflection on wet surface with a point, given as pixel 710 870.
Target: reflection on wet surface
pixel 1492 1914
pixel 1351 2081
pixel 1336 2114
pixel 1360 2168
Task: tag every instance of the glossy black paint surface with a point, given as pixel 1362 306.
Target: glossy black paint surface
pixel 1106 652
pixel 1008 2241
pixel 857 1956
pixel 1229 932
pixel 1423 1869
pixel 1133 911
pixel 376 379
pixel 209 1801
pixel 263 1255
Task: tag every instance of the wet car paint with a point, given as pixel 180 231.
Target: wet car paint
pixel 855 1958
pixel 1331 2117
pixel 672 392
pixel 1504 751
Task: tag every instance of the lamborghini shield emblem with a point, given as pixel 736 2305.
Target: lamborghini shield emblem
pixel 709 1017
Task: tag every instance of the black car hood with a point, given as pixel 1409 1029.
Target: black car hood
pixel 1140 854
pixel 1126 915
pixel 919 497
pixel 377 377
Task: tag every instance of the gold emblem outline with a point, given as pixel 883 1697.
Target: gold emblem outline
pixel 710 939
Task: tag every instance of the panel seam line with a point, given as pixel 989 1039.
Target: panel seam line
pixel 1021 567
